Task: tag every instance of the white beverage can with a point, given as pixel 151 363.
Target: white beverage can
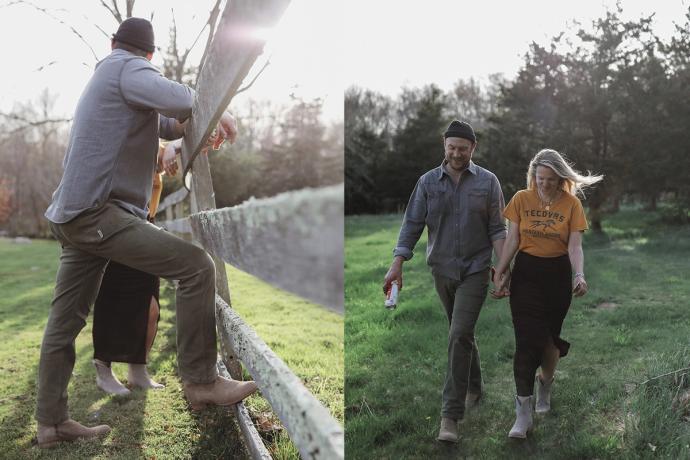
pixel 392 296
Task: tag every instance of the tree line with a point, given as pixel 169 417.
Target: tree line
pixel 280 148
pixel 614 98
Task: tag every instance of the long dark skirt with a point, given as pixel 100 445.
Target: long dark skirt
pixel 121 314
pixel 540 296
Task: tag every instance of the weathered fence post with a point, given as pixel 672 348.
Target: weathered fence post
pixel 293 240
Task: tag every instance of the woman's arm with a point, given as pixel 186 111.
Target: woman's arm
pixel 577 261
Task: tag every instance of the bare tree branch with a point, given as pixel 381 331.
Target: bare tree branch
pixel 10 4
pixel 45 65
pixel 130 7
pixel 249 85
pixel 196 39
pixel 26 121
pixel 178 60
pixel 212 20
pixel 100 28
pixel 115 12
pixel 50 15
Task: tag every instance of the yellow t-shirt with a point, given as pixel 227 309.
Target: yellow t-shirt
pixel 545 233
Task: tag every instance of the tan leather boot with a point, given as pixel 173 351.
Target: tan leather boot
pixel 69 430
pixel 449 430
pixel 222 392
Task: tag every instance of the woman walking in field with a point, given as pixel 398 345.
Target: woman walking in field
pixel 546 221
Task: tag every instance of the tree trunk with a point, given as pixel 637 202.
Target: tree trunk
pixel 596 202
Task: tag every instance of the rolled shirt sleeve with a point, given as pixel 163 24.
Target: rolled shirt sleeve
pixel 497 224
pixel 413 223
pixel 143 85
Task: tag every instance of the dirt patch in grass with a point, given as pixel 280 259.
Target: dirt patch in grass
pixel 607 306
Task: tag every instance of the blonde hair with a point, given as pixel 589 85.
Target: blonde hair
pixel 571 181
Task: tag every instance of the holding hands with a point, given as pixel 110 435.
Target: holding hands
pixel 501 283
pixel 226 129
pixel 167 161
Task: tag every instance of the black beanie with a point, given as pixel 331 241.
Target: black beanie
pixel 460 129
pixel 136 32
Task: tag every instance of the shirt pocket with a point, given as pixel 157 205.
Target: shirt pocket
pixel 478 200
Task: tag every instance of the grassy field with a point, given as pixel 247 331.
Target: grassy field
pixel 156 424
pixel 633 325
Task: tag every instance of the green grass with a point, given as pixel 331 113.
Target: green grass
pixel 395 360
pixel 155 424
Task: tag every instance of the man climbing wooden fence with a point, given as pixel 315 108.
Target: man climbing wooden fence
pixel 293 241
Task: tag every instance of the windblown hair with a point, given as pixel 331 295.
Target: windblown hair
pixel 571 181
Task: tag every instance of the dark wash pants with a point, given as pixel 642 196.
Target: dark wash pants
pixel 462 301
pixel 88 242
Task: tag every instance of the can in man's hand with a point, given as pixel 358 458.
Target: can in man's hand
pixel 392 296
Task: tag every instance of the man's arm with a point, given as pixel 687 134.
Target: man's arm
pixel 171 129
pixel 410 232
pixel 498 248
pixel 497 223
pixel 497 226
pixel 143 85
pixel 502 275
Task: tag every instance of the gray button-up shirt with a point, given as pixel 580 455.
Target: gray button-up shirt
pixel 111 154
pixel 463 220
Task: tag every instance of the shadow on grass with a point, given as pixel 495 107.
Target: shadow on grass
pixel 219 433
pixel 15 425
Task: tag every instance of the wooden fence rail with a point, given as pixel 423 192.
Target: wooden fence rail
pixel 312 428
pixel 293 240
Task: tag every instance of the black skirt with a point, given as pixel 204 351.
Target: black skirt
pixel 121 314
pixel 540 296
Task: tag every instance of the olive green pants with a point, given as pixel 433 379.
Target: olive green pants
pixel 462 301
pixel 88 242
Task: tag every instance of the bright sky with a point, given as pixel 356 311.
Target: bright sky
pixel 395 43
pixel 305 49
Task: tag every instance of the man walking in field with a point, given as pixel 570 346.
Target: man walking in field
pixel 98 213
pixel 461 204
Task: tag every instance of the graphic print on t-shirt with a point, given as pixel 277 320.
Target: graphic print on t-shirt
pixel 546 224
pixel 542 223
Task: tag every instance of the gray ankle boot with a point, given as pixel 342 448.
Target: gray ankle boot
pixel 523 420
pixel 139 377
pixel 543 404
pixel 106 381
